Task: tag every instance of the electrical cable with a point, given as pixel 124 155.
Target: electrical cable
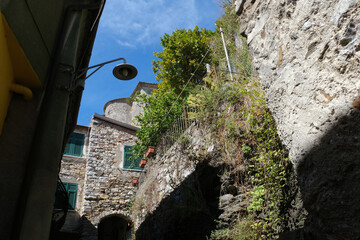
pixel 192 75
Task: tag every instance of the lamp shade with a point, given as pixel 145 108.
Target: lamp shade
pixel 125 71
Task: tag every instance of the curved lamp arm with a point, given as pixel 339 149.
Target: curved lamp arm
pixel 79 73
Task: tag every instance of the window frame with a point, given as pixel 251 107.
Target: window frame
pixel 70 147
pixel 71 190
pixel 127 155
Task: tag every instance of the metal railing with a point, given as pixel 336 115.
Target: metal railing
pixel 183 122
pixel 185 119
pixel 62 198
pixel 61 207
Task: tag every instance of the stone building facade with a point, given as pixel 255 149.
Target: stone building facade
pixel 104 179
pixel 125 109
pixel 73 168
pixel 108 184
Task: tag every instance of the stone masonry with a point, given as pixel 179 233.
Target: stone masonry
pixel 166 173
pixel 73 169
pixel 126 109
pixel 108 187
pixel 307 56
pixel 105 188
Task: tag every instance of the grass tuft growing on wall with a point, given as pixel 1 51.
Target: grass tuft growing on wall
pixel 246 134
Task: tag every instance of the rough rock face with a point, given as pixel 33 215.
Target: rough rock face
pixel 307 56
pixel 179 197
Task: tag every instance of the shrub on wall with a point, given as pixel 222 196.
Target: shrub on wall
pixel 254 158
pixel 236 111
pixel 180 66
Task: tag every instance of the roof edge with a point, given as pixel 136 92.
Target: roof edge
pixel 137 88
pixel 116 122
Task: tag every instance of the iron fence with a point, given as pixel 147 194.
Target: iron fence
pixel 183 122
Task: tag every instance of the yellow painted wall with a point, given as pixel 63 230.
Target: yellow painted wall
pixel 16 72
pixel 6 75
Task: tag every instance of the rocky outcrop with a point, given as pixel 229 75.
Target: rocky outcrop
pixel 179 197
pixel 307 56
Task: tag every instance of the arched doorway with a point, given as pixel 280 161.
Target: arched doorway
pixel 115 227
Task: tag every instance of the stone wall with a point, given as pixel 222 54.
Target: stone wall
pixel 119 109
pixel 108 187
pixel 73 168
pixel 179 196
pixel 306 54
pixel 126 109
pixel 73 171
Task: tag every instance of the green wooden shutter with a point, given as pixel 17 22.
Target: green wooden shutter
pixel 137 163
pixel 75 145
pixel 72 191
pixel 67 148
pixel 78 143
pixel 127 155
pixel 128 164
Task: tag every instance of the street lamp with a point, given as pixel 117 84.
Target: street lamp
pixel 122 71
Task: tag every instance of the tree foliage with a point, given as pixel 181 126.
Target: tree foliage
pixel 185 52
pixel 156 118
pixel 181 56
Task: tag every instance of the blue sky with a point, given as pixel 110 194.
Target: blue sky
pixel 132 29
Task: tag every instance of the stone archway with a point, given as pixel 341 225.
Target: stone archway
pixel 115 227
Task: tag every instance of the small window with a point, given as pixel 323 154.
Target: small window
pixel 75 145
pixel 71 189
pixel 129 164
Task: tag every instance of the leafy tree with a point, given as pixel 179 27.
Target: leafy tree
pixel 183 52
pixel 156 118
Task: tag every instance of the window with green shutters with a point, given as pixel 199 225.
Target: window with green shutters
pixel 75 145
pixel 128 163
pixel 71 189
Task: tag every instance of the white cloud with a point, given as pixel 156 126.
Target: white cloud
pixel 143 22
pixel 126 44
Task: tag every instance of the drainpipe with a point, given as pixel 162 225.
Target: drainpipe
pixel 20 89
pixel 36 201
pixel 226 53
